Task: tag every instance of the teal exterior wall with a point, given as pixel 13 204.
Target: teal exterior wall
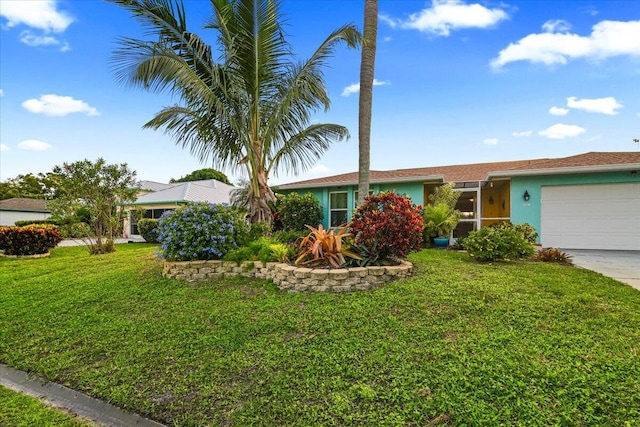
pixel 415 190
pixel 530 211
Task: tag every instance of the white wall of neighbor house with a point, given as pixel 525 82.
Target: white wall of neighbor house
pixel 10 217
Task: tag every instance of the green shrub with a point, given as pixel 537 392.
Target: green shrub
pixel 148 229
pixel 389 222
pixel 76 230
pixel 295 211
pixel 29 240
pixel 289 237
pixel 528 232
pixel 368 256
pixel 201 231
pixel 263 249
pixel 553 255
pixel 239 255
pixel 259 229
pixel 25 222
pixel 498 243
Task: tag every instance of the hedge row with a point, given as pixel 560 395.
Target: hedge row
pixel 30 240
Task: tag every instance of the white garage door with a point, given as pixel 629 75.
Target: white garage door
pixel 605 216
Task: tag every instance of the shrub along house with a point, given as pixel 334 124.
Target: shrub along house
pixel 155 198
pixel 587 201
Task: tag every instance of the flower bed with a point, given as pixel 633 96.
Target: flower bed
pixel 292 278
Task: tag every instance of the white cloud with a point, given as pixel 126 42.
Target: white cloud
pixel 33 145
pixel 4 147
pixel 355 87
pixel 556 26
pixel 55 105
pixel 607 39
pixel 446 15
pixel 42 15
pixel 589 10
pixel 387 39
pixel 638 114
pixel 522 134
pixel 562 131
pixel 490 141
pixel 558 111
pixel 1 92
pixel 607 105
pixel 32 40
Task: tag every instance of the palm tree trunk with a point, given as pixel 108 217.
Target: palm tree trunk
pixel 367 65
pixel 259 198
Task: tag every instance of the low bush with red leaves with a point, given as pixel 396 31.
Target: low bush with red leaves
pixel 390 223
pixel 29 240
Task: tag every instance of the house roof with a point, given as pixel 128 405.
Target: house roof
pixel 210 191
pixel 153 185
pixel 22 204
pixel 587 162
pixel 594 161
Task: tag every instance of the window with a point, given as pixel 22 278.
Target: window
pixel 155 213
pixel 148 213
pixel 355 197
pixel 337 209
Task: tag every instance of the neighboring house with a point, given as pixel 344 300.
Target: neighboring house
pixel 18 209
pixel 156 198
pixel 587 201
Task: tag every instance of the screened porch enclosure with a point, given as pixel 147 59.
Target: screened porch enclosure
pixel 481 203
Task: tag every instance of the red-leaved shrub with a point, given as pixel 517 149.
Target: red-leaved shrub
pixel 390 223
pixel 30 240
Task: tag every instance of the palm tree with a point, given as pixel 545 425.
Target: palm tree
pixel 252 107
pixel 367 66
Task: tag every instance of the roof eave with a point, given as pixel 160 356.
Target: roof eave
pixel 565 170
pixel 372 181
pixel 24 210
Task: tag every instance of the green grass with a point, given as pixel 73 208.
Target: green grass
pixel 460 343
pixel 19 410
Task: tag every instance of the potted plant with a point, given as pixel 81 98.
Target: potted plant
pixel 439 220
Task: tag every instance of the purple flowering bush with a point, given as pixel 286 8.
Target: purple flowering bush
pixel 200 231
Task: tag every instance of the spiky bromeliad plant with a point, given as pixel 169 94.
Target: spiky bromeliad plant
pixel 249 109
pixel 325 247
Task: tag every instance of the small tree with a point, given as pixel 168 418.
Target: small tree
pixel 202 174
pixel 296 211
pixel 445 194
pixel 441 216
pixel 100 188
pixel 389 224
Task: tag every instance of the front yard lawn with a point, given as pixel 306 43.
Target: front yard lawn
pixel 460 343
pixel 17 409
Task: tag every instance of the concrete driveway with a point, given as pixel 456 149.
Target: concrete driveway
pixel 620 265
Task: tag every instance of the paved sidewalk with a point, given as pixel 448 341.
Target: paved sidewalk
pixel 58 396
pixel 620 265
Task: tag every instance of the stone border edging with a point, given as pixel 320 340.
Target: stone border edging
pixel 44 255
pixel 290 277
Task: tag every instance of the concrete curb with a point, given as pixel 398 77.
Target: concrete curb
pixel 56 395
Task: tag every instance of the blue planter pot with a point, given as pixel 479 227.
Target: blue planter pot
pixel 441 242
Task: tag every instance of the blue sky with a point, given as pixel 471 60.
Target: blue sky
pixel 457 82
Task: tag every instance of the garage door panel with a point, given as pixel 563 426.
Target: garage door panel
pixel 605 216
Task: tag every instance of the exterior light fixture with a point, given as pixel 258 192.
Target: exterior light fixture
pixel 526 196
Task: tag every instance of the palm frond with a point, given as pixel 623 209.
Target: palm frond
pixel 302 151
